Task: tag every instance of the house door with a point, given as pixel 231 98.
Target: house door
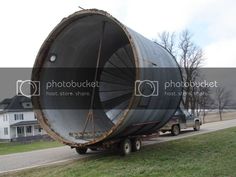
pixel 20 131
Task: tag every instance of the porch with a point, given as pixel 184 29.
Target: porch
pixel 26 129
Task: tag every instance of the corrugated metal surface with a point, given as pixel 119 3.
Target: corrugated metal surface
pixel 146 54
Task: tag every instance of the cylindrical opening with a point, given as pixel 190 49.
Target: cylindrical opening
pixel 88 41
pixel 123 61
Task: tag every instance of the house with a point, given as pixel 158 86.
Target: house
pixel 17 119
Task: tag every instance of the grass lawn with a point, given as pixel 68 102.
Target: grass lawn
pixel 14 147
pixel 208 155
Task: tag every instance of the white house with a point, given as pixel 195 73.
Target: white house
pixel 17 119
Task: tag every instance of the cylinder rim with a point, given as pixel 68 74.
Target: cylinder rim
pixel 41 58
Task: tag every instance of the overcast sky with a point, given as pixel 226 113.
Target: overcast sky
pixel 26 23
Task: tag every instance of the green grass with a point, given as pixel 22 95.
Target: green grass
pixel 13 147
pixel 208 155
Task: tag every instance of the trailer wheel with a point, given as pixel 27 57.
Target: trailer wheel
pixel 136 144
pixel 175 130
pixel 81 150
pixel 125 147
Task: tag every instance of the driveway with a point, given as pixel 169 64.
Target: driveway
pixel 20 161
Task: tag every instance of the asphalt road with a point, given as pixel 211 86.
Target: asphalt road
pixel 25 160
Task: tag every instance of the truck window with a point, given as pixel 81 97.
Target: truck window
pixel 186 113
pixel 178 112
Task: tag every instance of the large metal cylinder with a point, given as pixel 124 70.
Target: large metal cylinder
pixel 79 41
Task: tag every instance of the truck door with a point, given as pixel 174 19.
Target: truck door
pixel 189 119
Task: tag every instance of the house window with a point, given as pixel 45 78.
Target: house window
pixel 20 130
pixel 27 105
pixel 40 129
pixel 4 118
pixel 28 129
pixel 6 131
pixel 19 116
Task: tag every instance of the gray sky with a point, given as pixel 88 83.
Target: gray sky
pixel 26 23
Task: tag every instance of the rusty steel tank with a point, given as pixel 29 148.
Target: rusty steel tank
pixel 92 38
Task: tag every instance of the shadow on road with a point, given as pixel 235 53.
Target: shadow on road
pixel 168 134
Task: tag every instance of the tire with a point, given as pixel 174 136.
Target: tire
pixel 136 144
pixel 175 130
pixel 125 147
pixel 81 150
pixel 196 126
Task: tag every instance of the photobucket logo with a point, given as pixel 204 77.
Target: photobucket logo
pixel 203 84
pixel 146 88
pixel 27 88
pixel 71 84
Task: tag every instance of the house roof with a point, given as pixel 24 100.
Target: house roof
pixel 22 123
pixel 16 103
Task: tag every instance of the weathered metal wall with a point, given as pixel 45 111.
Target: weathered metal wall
pixel 134 120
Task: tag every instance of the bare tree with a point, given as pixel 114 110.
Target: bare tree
pixel 204 101
pixel 168 41
pixel 190 58
pixel 223 99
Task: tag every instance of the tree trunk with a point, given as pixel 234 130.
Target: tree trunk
pixel 203 118
pixel 220 115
